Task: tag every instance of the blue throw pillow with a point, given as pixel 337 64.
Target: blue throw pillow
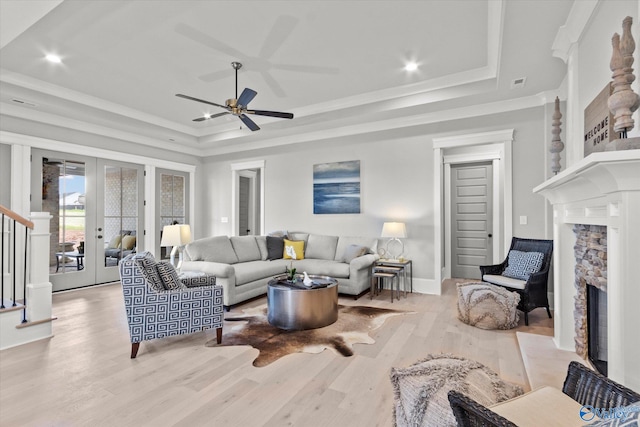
pixel 522 264
pixel 627 416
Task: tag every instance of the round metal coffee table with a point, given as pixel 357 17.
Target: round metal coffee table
pixel 295 307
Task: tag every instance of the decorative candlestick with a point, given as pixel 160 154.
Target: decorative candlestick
pixel 556 143
pixel 623 101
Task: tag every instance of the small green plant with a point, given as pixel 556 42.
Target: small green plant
pixel 291 273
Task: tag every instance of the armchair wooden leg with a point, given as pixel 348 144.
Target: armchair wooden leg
pixel 526 318
pixel 219 335
pixel 134 349
pixel 548 312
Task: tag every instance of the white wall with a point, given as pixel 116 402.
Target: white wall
pixel 589 70
pixel 396 182
pixel 5 175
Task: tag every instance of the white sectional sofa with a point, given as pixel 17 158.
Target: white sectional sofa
pixel 241 266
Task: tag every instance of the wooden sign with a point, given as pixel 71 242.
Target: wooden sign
pixel 598 123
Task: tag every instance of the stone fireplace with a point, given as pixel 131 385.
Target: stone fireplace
pixel 591 292
pixel 601 190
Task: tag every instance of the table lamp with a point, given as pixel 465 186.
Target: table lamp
pixel 177 236
pixel 395 231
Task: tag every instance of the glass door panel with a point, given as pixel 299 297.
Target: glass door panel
pixel 59 186
pixel 121 208
pixel 172 193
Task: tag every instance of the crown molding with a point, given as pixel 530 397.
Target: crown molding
pixel 570 33
pixel 383 125
pixel 77 125
pixel 49 144
pixel 30 83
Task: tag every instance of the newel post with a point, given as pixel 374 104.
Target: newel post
pixel 39 288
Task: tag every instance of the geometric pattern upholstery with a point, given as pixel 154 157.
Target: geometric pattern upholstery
pixel 147 264
pixel 169 276
pixel 155 314
pixel 196 278
pixel 522 264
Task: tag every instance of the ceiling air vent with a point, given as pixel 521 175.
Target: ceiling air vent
pixel 23 102
pixel 518 83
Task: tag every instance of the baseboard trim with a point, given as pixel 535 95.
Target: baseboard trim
pixel 426 286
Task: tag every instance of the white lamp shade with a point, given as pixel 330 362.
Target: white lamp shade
pixel 394 230
pixel 176 235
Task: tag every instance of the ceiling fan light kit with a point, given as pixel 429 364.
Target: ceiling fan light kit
pixel 238 106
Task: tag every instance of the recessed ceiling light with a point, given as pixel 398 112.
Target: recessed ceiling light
pixel 411 66
pixel 53 58
pixel 207 115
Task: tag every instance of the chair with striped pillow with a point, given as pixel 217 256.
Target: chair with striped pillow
pixel 158 305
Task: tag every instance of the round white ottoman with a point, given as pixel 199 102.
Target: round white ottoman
pixel 487 306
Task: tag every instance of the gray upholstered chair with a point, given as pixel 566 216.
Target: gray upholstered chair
pixel 159 304
pixel 531 284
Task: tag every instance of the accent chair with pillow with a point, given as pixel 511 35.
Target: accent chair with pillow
pixel 583 391
pixel 159 303
pixel 120 245
pixel 525 271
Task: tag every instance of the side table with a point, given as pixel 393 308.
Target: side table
pixel 403 268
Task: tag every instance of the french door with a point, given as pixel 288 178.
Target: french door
pixel 97 210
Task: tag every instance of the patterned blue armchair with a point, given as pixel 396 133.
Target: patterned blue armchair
pixel 159 305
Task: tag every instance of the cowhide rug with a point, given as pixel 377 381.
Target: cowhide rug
pixel 352 327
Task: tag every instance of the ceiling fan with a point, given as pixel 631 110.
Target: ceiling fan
pixel 238 105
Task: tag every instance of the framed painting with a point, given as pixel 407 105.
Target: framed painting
pixel 336 188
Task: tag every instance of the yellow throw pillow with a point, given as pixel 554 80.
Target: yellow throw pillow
pixel 114 242
pixel 293 249
pixel 128 242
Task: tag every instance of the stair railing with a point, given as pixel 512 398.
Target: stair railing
pixel 10 222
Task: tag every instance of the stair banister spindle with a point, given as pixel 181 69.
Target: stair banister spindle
pixel 24 276
pixel 14 263
pixel 2 266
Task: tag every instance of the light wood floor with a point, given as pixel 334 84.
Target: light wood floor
pixel 83 375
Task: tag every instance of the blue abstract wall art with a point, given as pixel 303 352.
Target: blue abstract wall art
pixel 336 188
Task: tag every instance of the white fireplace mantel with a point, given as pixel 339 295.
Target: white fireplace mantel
pixel 601 189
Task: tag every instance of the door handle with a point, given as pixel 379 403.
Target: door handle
pixel 99 236
pixel 490 235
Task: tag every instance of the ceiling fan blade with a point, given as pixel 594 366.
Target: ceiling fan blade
pixel 278 114
pixel 191 98
pixel 315 69
pixel 216 75
pixel 249 123
pixel 273 84
pixel 205 39
pixel 246 96
pixel 278 34
pixel 213 116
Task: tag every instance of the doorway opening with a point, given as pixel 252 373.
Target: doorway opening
pixel 247 192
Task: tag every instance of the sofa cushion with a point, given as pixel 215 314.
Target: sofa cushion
pixel 345 242
pixel 128 242
pixel 354 251
pixel 279 233
pixel 522 264
pixel 275 247
pixel 544 406
pixel 214 249
pixel 323 267
pixel 246 248
pixel 262 245
pixel 114 242
pixel 321 247
pixel 247 272
pixel 169 276
pixel 504 281
pixel 293 249
pixel 298 236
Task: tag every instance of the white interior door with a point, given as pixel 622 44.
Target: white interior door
pixel 471 218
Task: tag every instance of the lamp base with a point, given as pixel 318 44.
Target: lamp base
pixel 176 252
pixel 395 248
